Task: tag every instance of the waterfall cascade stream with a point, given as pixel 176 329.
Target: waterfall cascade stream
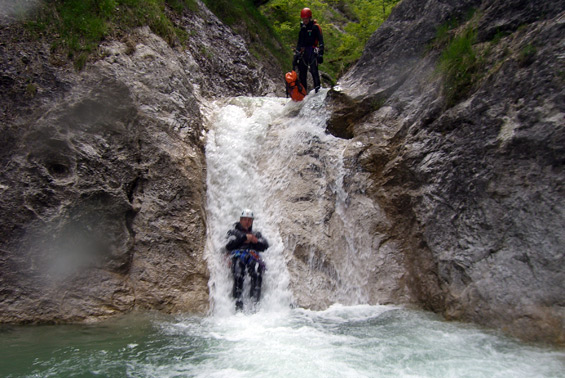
pixel 254 144
pixel 276 339
pixel 238 129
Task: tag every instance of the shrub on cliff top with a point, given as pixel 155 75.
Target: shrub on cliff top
pixel 459 64
pixel 78 26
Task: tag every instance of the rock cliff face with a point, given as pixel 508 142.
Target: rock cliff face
pixel 103 172
pixel 473 185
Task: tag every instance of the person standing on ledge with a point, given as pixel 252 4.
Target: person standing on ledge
pixel 309 49
pixel 244 245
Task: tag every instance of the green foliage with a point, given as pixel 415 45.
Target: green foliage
pixel 444 32
pixel 526 55
pixel 230 12
pixel 78 26
pixel 180 5
pixel 498 37
pixel 31 90
pixel 346 25
pixel 459 64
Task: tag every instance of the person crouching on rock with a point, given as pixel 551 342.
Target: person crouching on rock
pixel 244 246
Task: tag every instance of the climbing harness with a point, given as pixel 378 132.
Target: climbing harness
pixel 246 255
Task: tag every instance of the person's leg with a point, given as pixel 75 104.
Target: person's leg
pixel 238 271
pixel 256 274
pixel 315 74
pixel 303 74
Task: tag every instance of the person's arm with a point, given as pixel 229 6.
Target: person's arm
pixel 320 41
pixel 261 244
pixel 236 239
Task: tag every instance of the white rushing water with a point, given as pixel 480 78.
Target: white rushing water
pixel 252 145
pixel 237 130
pixel 276 339
pixel 343 341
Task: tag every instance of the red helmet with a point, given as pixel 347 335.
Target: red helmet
pixel 306 13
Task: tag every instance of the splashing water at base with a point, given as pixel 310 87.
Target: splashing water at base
pixel 352 341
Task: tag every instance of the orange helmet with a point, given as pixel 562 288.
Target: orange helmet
pixel 306 13
pixel 291 76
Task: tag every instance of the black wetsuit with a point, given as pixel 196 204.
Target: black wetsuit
pixel 245 256
pixel 309 39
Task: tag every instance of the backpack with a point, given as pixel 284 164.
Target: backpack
pixel 320 29
pixel 294 88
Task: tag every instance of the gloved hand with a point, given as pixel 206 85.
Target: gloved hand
pixel 296 58
pixel 320 59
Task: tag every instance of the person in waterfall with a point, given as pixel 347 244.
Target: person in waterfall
pixel 309 49
pixel 244 246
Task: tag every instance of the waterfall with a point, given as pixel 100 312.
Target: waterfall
pixel 237 129
pixel 259 153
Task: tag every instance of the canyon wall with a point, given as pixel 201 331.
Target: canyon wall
pixel 470 177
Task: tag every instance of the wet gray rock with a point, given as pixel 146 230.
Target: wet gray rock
pixel 91 179
pixel 337 241
pixel 223 66
pixel 473 189
pixel 102 187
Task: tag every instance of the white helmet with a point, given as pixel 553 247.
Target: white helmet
pixel 247 213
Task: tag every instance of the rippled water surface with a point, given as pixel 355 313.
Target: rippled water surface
pixel 353 341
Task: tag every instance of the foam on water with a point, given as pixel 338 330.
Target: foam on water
pixel 342 341
pixel 363 341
